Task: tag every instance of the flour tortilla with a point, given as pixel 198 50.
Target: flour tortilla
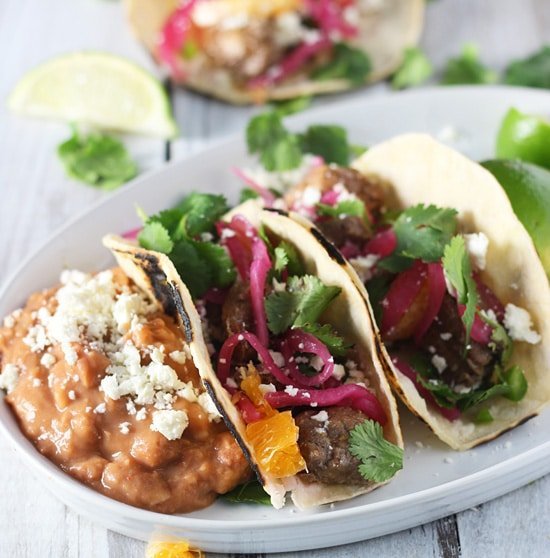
pixel 349 313
pixel 386 30
pixel 417 169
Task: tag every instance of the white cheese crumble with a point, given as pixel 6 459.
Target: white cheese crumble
pixel 321 416
pixel 71 395
pixel 180 357
pixel 288 29
pixel 278 358
pixel 100 409
pixel 339 371
pixel 517 322
pixel 124 427
pixel 9 321
pixel 439 362
pixel 446 336
pixel 141 414
pixel 9 377
pixel 170 423
pixel 477 244
pixel 291 390
pixel 364 265
pixel 267 388
pixel 47 360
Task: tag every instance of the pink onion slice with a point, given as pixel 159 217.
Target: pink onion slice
pixel 132 234
pixel 411 373
pixel 239 242
pixel 259 268
pixel 481 332
pixel 347 395
pixel 489 300
pixel 328 14
pixel 226 354
pixel 173 34
pixel 291 64
pixel 330 197
pixel 403 290
pixel 437 289
pixel 298 341
pixel 267 196
pixel 382 244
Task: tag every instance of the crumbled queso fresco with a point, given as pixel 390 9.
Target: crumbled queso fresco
pixel 95 310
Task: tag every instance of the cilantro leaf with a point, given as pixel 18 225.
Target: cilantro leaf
pixel 292 106
pixel 329 142
pixel 422 233
pixel 380 459
pixel 279 150
pixel 533 71
pixel 219 262
pixel 154 236
pixel 346 208
pixel 326 334
pixel 97 159
pixel 294 265
pixel 414 70
pixel 193 270
pixel 281 259
pixel 248 194
pixel 467 68
pixel 250 492
pixel 458 270
pixel 347 62
pixel 303 301
pixel 201 211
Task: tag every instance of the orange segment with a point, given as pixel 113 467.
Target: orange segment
pixel 275 443
pixel 251 387
pixel 180 549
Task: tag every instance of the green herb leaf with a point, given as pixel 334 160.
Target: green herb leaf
pixel 220 264
pixel 533 71
pixel 97 159
pixel 154 236
pixel 347 62
pixel 303 301
pixel 252 492
pixel 516 382
pixel 326 334
pixel 484 416
pixel 281 259
pixel 294 265
pixel 467 68
pixel 422 233
pixel 248 194
pixel 279 150
pixel 327 141
pixel 292 106
pixel 380 459
pixel 458 270
pixel 194 271
pixel 414 70
pixel 346 208
pixel 201 211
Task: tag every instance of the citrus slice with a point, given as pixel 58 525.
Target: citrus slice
pixel 525 137
pixel 528 189
pixel 180 549
pixel 97 89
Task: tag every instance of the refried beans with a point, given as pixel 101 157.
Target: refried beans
pixel 103 384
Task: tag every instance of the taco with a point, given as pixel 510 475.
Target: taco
pixel 458 292
pixel 287 352
pixel 246 51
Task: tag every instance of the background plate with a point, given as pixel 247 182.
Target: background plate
pixel 436 481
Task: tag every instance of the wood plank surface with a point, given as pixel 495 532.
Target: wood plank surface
pixel 37 199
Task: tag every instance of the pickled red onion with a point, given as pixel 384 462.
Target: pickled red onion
pixel 489 300
pixel 481 332
pixel 265 194
pixel 382 244
pixel 226 354
pixel 259 268
pixel 411 373
pixel 239 243
pixel 292 63
pixel 347 395
pixel 131 234
pixel 328 15
pixel 173 34
pixel 247 409
pixel 300 341
pixel 437 289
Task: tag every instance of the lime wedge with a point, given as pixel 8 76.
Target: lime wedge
pixel 528 189
pixel 524 136
pixel 98 89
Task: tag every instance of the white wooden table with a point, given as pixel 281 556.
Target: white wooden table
pixel 36 198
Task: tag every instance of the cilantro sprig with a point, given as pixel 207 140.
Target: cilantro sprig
pixel 97 159
pixel 458 271
pixel 184 233
pixel 280 149
pixel 422 233
pixel 347 62
pixel 345 208
pixel 414 70
pixel 380 459
pixel 533 71
pixel 468 69
pixel 251 492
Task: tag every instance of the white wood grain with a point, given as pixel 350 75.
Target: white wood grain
pixel 37 198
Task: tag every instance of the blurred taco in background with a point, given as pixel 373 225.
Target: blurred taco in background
pixel 285 346
pixel 458 291
pixel 245 51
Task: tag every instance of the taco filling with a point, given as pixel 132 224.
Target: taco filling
pixel 302 388
pixel 444 327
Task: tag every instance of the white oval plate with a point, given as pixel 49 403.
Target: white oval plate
pixel 436 481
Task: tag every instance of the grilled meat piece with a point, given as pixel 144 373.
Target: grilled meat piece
pixel 325 445
pixel 246 52
pixel 340 231
pixel 472 371
pixel 324 178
